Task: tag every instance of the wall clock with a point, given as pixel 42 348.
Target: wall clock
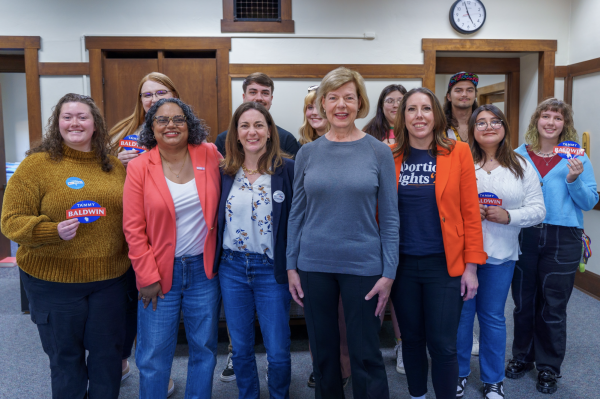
pixel 467 16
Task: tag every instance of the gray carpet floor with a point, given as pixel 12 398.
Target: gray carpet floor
pixel 24 371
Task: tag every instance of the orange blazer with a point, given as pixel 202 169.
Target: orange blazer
pixel 458 207
pixel 149 213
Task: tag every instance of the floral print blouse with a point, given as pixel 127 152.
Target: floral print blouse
pixel 249 216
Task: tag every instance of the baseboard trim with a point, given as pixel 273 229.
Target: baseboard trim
pixel 589 283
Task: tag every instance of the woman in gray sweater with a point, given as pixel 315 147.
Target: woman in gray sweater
pixel 336 246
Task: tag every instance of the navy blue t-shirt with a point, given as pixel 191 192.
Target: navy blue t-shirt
pixel 420 229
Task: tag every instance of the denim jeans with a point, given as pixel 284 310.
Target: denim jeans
pixel 494 283
pixel 199 299
pixel 249 287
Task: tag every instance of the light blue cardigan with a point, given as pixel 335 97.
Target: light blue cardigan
pixel 565 201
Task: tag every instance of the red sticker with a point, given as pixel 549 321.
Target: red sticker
pixel 83 212
pixel 131 145
pixel 489 199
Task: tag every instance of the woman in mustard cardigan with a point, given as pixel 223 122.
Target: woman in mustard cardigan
pixel 441 241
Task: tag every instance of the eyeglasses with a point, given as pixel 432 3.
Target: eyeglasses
pixel 162 121
pixel 495 124
pixel 391 101
pixel 158 94
pixel 313 88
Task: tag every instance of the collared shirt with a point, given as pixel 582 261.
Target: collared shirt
pixel 452 133
pixel 249 216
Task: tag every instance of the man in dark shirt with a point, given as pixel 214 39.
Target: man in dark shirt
pixel 259 88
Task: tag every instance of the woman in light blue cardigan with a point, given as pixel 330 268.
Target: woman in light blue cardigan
pixel 545 273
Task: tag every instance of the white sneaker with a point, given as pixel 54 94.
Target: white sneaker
pixel 460 387
pixel 399 361
pixel 493 391
pixel 171 388
pixel 475 349
pixel 125 373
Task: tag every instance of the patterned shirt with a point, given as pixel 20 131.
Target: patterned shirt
pixel 249 216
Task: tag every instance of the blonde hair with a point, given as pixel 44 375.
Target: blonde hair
pixel 130 124
pixel 532 135
pixel 336 79
pixel 307 133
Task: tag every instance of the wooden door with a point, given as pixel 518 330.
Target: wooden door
pixel 121 80
pixel 4 242
pixel 196 81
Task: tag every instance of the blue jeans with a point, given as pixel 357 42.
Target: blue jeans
pixel 249 287
pixel 199 299
pixel 494 283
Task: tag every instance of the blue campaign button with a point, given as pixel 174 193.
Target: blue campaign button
pixel 75 183
pixel 131 143
pixel 86 211
pixel 569 150
pixel 489 199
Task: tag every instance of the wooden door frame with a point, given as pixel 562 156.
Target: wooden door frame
pixel 222 45
pixel 4 242
pixel 30 45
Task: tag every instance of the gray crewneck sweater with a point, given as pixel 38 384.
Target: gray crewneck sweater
pixel 338 188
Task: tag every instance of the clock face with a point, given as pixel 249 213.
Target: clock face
pixel 467 16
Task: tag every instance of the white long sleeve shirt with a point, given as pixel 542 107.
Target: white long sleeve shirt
pixel 523 199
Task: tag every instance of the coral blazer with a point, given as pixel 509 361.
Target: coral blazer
pixel 458 206
pixel 149 213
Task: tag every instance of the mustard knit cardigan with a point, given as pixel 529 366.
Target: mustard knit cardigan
pixel 37 198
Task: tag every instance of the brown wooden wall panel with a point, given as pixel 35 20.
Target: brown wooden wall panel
pixel 585 67
pixel 228 23
pixel 156 43
pixel 34 101
pixel 19 42
pixel 429 60
pixel 304 71
pixel 499 66
pixel 492 45
pixel 12 63
pixel 4 242
pixel 64 68
pixel 96 87
pixel 546 75
pixel 224 89
pixel 512 93
pixel 561 71
pixel 122 78
pixel 196 81
pixel 589 283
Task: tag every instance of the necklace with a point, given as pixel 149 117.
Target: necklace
pixel 249 171
pixel 548 156
pixel 168 166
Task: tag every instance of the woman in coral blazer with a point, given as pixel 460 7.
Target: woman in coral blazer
pixel 170 205
pixel 441 241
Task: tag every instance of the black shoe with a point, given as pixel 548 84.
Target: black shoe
pixel 547 382
pixel 460 386
pixel 493 391
pixel 311 381
pixel 228 374
pixel 517 369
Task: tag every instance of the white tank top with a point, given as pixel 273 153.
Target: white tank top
pixel 191 226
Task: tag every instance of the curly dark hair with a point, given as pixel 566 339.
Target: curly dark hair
pixel 52 143
pixel 197 128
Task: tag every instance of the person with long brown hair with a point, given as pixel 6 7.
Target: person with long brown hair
pixel 64 206
pixel 256 198
pixel 545 272
pixel 382 125
pixel 510 199
pixel 441 241
pixel 459 103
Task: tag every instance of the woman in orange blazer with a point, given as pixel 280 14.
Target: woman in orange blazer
pixel 441 241
pixel 170 204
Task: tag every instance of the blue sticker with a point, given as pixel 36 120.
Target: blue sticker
pixel 75 183
pixel 131 143
pixel 86 211
pixel 489 199
pixel 569 150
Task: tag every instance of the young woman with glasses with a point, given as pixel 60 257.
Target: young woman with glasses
pixel 382 125
pixel 510 198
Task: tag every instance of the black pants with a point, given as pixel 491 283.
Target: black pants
pixel 132 308
pixel 541 288
pixel 321 297
pixel 75 317
pixel 428 305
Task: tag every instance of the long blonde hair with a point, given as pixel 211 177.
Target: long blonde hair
pixel 307 133
pixel 532 135
pixel 130 124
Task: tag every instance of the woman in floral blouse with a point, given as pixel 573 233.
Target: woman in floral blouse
pixel 256 198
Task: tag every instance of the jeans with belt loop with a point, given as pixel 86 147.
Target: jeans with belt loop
pixel 541 288
pixel 199 299
pixel 249 287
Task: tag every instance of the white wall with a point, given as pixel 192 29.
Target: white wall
pixel 399 26
pixel 584 45
pixel 14 111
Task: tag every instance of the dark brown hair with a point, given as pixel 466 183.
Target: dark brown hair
pixel 505 155
pixel 450 119
pixel 379 126
pixel 402 146
pixel 269 161
pixel 261 79
pixel 52 142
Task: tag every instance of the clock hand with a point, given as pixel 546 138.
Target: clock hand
pixel 466 8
